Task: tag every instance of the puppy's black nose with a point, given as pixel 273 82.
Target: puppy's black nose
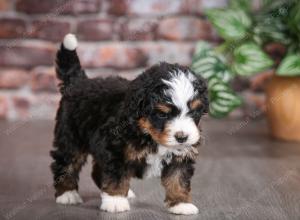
pixel 180 137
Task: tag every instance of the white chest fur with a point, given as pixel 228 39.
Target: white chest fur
pixel 154 161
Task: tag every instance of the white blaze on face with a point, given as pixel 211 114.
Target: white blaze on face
pixel 181 91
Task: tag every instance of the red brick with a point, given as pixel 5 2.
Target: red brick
pixel 129 74
pixel 50 30
pixel 44 106
pixel 3 107
pixel 44 79
pixel 101 72
pixel 13 78
pixel 138 29
pixel 116 55
pixel 40 6
pixel 173 52
pixel 58 7
pixel 192 7
pixel 184 28
pixel 213 4
pixel 118 7
pixel 21 106
pixel 4 5
pixel 12 27
pixel 95 29
pixel 27 54
pixel 162 7
pixel 83 6
pixel 32 106
pixel 145 7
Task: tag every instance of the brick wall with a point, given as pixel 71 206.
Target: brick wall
pixel 117 37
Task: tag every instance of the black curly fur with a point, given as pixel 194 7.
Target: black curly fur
pixel 100 117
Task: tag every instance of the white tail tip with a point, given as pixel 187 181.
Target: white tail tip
pixel 70 42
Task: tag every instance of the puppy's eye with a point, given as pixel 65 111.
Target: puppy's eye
pixel 195 113
pixel 162 115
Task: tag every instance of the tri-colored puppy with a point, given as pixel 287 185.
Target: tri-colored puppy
pixel 141 128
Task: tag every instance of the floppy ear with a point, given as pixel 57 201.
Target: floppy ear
pixel 140 94
pixel 201 86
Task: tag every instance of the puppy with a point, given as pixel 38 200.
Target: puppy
pixel 133 129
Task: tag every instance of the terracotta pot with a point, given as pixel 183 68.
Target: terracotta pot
pixel 283 107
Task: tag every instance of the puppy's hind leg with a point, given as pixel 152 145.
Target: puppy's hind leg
pixel 66 168
pixel 97 177
pixel 114 189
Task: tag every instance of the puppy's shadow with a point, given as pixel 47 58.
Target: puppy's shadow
pixel 92 202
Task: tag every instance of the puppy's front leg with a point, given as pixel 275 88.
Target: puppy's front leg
pixel 176 178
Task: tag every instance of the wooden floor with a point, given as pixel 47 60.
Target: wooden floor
pixel 240 174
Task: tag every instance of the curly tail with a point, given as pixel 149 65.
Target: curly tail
pixel 68 66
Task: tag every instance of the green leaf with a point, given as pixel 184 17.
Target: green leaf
pixel 241 4
pixel 222 99
pixel 231 24
pixel 273 20
pixel 294 19
pixel 210 65
pixel 274 32
pixel 271 29
pixel 203 48
pixel 272 5
pixel 290 66
pixel 250 59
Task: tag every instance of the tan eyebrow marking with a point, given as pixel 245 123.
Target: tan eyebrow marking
pixel 195 104
pixel 163 108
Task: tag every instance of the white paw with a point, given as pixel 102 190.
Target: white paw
pixel 130 194
pixel 69 197
pixel 114 203
pixel 184 209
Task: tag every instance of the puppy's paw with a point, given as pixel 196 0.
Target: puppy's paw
pixel 130 194
pixel 184 209
pixel 69 198
pixel 114 203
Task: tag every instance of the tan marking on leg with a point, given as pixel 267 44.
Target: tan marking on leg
pixel 112 188
pixel 69 180
pixel 176 192
pixel 79 161
pixel 65 183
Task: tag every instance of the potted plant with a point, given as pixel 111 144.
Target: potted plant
pixel 246 34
